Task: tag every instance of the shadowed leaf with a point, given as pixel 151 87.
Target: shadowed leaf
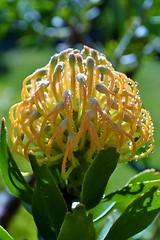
pixel 10 171
pixel 48 204
pixel 137 216
pixel 139 184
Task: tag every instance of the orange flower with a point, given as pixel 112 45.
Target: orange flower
pixel 76 105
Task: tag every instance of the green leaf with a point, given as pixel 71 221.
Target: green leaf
pixel 103 215
pixel 147 175
pixel 4 234
pixel 97 176
pixel 137 216
pixel 101 209
pixel 77 225
pixel 10 171
pixel 139 184
pixel 48 204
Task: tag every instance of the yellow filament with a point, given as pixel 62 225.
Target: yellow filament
pixel 69 112
pixel 79 103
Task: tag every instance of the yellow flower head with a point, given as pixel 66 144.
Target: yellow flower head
pixel 76 105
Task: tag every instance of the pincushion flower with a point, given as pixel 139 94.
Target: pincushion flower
pixel 76 105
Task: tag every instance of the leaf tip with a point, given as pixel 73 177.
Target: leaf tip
pixel 3 125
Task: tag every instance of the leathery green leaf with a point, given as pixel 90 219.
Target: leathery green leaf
pixel 146 175
pixel 137 185
pixel 4 234
pixel 77 225
pixel 48 204
pixel 10 171
pixel 137 216
pixel 97 176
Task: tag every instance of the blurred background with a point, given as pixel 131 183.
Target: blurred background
pixel 127 32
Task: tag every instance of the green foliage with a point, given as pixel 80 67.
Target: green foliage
pixel 138 185
pixel 77 226
pixel 105 220
pixel 138 204
pixel 97 176
pixel 137 216
pixel 48 205
pixel 4 234
pixel 10 172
